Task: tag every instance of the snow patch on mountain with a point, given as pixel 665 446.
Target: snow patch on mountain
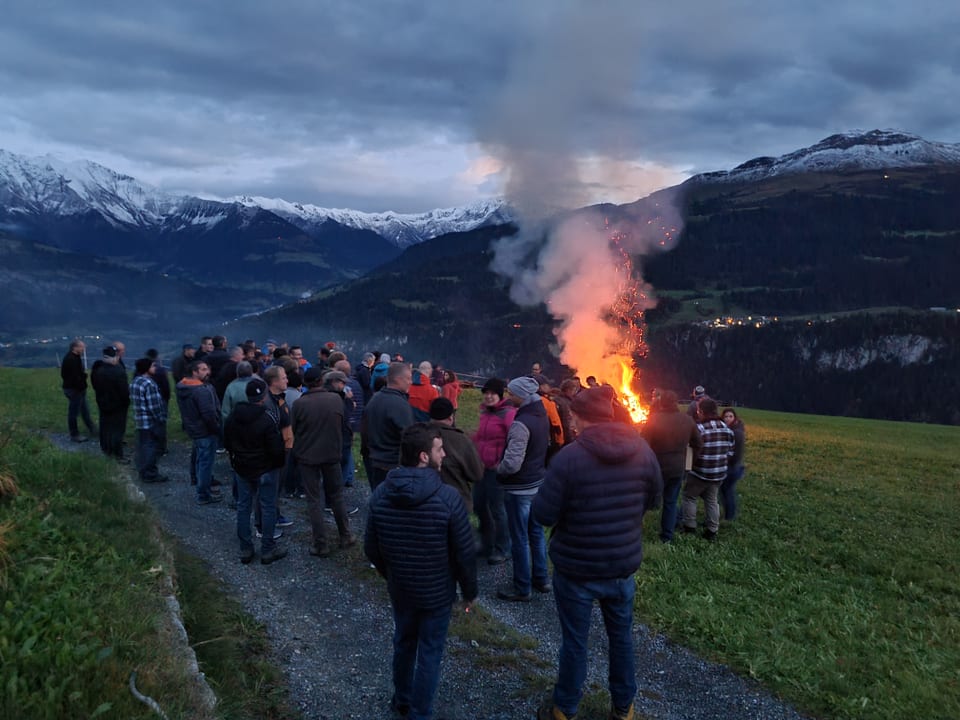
pixel 845 152
pixel 401 229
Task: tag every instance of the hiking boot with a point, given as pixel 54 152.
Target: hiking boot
pixel 320 552
pixel 78 438
pixel 552 712
pixel 209 500
pixel 709 536
pixel 246 557
pixel 616 714
pixel 347 541
pixel 272 556
pixel 512 595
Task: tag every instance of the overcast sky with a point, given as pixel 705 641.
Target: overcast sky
pixel 408 106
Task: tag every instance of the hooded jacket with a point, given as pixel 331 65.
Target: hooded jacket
pixel 670 433
pixel 594 496
pixel 199 408
pixel 383 422
pixel 254 442
pixel 462 467
pixel 419 538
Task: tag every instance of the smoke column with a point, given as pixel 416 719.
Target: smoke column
pixel 577 68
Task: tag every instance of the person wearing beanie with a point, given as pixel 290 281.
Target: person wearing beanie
pixel 112 392
pixel 496 415
pixel 521 471
pixel 150 419
pixel 595 494
pixel 462 468
pixel 257 452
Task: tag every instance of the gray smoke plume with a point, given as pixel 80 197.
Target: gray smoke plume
pixel 577 68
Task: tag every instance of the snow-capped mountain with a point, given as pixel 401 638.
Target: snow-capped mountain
pixel 403 230
pixel 845 152
pixel 47 185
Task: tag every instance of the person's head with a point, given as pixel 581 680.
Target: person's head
pixel 592 406
pixel 256 391
pixel 189 351
pixel 368 359
pixel 449 376
pixel 199 370
pixel 343 366
pixel 78 346
pixel 121 349
pixel 335 357
pixel 152 353
pixel 313 378
pixel 323 354
pixel 144 366
pixel 206 343
pixel 442 411
pixel 244 369
pixel 290 365
pixel 544 384
pixel 236 354
pixel 425 368
pixel 592 381
pixel 279 352
pixel 492 391
pixel 521 389
pixel 296 352
pixel 698 392
pixel 399 376
pixel 667 401
pixel 569 388
pixel 384 358
pixel 219 342
pixel 269 346
pixel 335 380
pixel 729 416
pixel 276 378
pixel 707 408
pixel 536 368
pixel 110 355
pixel 249 351
pixel 421 446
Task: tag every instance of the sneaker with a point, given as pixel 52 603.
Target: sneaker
pixel 283 522
pixel 350 511
pixel 78 438
pixel 496 559
pixel 221 451
pixel 512 595
pixel 616 714
pixel 552 712
pixel 277 533
pixel 271 557
pixel 543 587
pixel 210 500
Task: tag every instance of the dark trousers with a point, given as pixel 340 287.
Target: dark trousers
pixel 78 407
pixel 148 441
pixel 324 486
pixel 112 427
pixel 377 476
pixel 488 504
pixel 418 641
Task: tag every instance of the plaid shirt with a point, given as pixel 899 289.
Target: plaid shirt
pixel 710 463
pixel 148 406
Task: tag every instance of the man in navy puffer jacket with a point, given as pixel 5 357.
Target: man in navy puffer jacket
pixel 594 496
pixel 419 538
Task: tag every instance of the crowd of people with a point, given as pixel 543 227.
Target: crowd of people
pixel 567 459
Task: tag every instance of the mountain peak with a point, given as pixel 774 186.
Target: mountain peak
pixel 844 152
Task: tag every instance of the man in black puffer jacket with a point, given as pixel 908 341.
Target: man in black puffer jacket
pixel 253 439
pixel 419 538
pixel 594 496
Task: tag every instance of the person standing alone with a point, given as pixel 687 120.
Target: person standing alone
pixel 74 377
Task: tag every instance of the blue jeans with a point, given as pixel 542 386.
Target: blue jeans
pixel 77 406
pixel 668 515
pixel 728 492
pixel 488 504
pixel 206 449
pixel 148 442
pixel 347 465
pixel 418 640
pixel 263 491
pixel 575 606
pixel 529 547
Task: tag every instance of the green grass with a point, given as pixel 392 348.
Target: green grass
pixel 82 581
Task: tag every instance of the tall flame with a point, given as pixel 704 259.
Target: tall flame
pixel 631 400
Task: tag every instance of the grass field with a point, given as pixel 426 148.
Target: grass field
pixel 838 588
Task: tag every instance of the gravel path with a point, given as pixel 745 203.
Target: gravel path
pixel 332 627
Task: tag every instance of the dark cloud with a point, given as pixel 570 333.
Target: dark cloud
pixel 231 96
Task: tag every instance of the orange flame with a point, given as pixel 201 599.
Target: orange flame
pixel 628 398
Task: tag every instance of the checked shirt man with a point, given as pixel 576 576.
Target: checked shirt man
pixel 150 417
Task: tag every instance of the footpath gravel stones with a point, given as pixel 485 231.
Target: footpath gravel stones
pixel 332 627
